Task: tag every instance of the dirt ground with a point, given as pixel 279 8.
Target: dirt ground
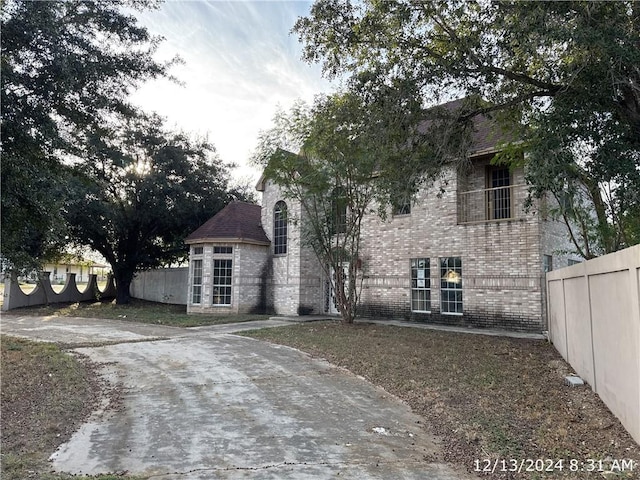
pixel 499 404
pixel 201 403
pixel 45 396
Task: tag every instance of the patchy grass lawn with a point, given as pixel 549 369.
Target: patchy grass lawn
pixel 45 395
pixel 135 311
pixel 487 397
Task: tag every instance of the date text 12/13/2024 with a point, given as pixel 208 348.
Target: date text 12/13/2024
pixel 555 465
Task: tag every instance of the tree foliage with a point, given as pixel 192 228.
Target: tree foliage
pixel 563 77
pixel 327 158
pixel 141 192
pixel 67 66
pixel 331 176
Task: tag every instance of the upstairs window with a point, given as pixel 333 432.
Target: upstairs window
pixel 499 193
pixel 401 205
pixel 280 228
pixel 222 250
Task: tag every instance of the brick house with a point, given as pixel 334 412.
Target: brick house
pixel 229 261
pixel 471 256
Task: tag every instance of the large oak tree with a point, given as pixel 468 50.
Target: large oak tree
pixel 141 192
pixel 563 77
pixel 67 66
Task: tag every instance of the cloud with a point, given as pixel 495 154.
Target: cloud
pixel 240 63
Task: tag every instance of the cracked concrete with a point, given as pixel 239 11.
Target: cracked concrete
pixel 208 404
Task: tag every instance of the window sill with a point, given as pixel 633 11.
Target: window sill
pixel 455 314
pixel 488 221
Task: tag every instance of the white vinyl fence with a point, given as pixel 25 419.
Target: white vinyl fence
pixel 165 285
pixel 594 322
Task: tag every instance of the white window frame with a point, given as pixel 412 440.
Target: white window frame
pixel 196 287
pixel 451 281
pixel 218 285
pixel 280 228
pixel 420 281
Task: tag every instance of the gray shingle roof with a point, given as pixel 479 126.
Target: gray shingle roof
pixel 487 134
pixel 238 221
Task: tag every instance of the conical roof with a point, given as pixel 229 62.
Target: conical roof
pixel 238 222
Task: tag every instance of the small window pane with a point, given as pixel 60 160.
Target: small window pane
pixel 401 206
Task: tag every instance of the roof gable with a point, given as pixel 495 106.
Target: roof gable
pixel 486 134
pixel 237 222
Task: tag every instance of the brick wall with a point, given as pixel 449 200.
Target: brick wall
pixel 250 270
pixel 501 262
pixel 296 285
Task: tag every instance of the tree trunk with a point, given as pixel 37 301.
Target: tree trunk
pixel 123 280
pixel 347 319
pixel 348 313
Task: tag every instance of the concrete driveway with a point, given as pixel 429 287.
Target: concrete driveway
pixel 202 403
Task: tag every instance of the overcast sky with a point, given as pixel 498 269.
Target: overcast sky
pixel 241 63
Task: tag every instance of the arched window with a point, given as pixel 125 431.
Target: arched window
pixel 280 228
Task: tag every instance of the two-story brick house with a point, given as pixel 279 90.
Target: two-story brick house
pixel 469 256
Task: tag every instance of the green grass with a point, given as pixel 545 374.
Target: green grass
pixel 136 311
pixel 46 394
